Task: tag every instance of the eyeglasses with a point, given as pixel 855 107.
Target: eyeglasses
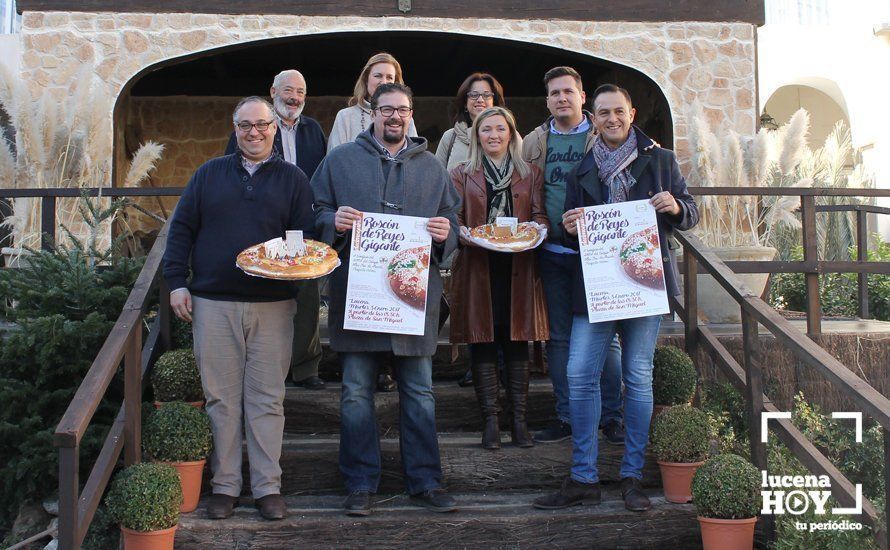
pixel 261 126
pixel 388 111
pixel 473 96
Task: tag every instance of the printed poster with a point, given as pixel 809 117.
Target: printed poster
pixel 389 270
pixel 621 261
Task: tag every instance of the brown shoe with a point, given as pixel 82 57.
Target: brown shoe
pixel 571 493
pixel 271 507
pixel 220 506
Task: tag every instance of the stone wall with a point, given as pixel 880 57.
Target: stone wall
pixel 711 62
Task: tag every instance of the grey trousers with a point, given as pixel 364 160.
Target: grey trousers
pixel 243 351
pixel 307 345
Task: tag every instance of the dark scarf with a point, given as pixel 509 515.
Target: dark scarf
pixel 614 166
pixel 499 181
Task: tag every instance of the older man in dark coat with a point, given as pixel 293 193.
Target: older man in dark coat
pixel 384 171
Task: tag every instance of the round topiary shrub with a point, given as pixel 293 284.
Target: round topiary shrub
pixel 177 432
pixel 681 434
pixel 673 376
pixel 181 333
pixel 145 497
pixel 175 377
pixel 727 487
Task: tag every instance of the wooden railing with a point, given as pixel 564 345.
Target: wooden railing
pixel 124 343
pixel 811 266
pixel 747 377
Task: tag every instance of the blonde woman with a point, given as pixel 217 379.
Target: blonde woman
pixel 355 119
pixel 497 301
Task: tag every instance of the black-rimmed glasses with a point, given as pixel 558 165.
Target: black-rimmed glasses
pixel 388 111
pixel 261 126
pixel 473 96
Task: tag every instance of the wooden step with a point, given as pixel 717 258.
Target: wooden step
pixel 484 521
pixel 310 465
pixel 318 411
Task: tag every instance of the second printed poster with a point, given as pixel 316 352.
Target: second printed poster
pixel 622 262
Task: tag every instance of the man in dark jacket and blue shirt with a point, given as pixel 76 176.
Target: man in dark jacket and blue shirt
pixel 385 171
pixel 623 165
pixel 300 141
pixel 243 325
pixel 556 147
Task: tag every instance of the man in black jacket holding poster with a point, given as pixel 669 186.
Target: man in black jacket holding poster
pixel 623 165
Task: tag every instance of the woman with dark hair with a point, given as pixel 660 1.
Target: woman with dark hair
pixel 478 92
pixel 497 300
pixel 382 68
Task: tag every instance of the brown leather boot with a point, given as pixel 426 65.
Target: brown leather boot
pixel 517 386
pixel 485 381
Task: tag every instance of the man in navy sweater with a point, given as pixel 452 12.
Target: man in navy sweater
pixel 242 325
pixel 300 141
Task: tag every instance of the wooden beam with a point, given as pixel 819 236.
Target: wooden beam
pixel 746 11
pixel 791 192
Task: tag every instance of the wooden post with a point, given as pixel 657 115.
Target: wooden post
pixel 754 385
pixel 164 338
pixel 883 534
pixel 754 401
pixel 47 222
pixel 862 256
pixel 811 255
pixel 690 301
pixel 69 512
pixel 133 396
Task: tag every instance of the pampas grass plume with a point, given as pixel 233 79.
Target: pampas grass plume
pixel 757 158
pixel 143 162
pixel 733 165
pixel 793 141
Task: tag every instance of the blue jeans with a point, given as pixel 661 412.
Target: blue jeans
pixel 587 354
pixel 556 275
pixel 610 384
pixel 359 440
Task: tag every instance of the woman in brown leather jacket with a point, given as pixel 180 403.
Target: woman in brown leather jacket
pixel 497 301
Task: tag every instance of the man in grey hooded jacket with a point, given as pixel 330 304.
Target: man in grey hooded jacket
pixel 385 171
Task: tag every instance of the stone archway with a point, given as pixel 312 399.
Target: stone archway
pixel 186 104
pixel 822 98
pixel 711 62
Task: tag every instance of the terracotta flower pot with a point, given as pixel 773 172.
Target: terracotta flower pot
pixel 149 540
pixel 195 404
pixel 190 476
pixel 727 534
pixel 676 478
